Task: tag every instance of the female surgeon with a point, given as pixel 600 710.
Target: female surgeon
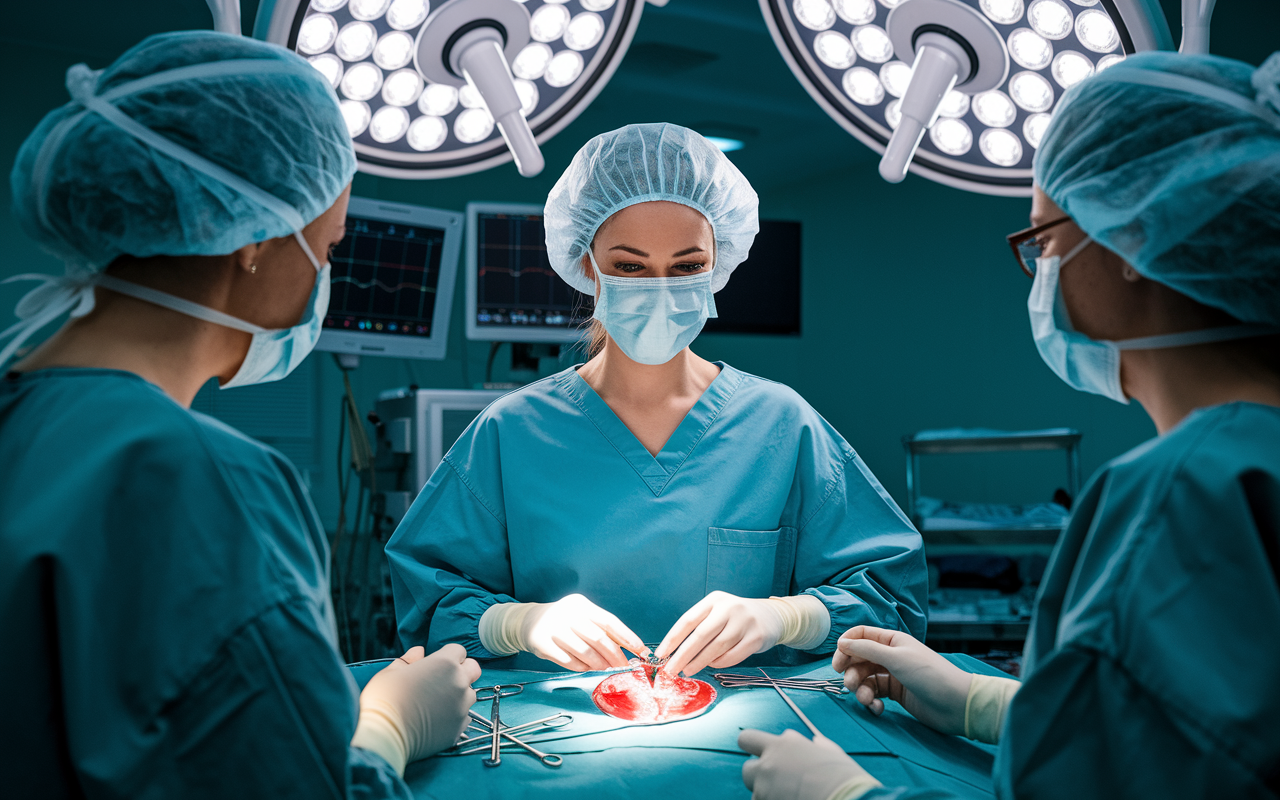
pixel 1151 668
pixel 164 598
pixel 650 494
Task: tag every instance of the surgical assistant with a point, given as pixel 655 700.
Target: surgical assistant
pixel 750 495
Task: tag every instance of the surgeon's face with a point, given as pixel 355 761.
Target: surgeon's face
pixel 658 239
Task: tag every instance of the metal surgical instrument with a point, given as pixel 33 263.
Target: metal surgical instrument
pixel 496 693
pixel 731 680
pixel 808 724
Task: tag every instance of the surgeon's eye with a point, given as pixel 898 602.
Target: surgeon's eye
pixel 627 268
pixel 689 268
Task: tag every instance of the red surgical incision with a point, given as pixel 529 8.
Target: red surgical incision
pixel 647 694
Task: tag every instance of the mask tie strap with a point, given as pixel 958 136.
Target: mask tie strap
pixel 1226 333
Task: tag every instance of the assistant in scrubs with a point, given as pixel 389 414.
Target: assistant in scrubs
pixel 651 496
pixel 1151 667
pixel 164 592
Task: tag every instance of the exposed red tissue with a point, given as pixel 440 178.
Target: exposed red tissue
pixel 633 697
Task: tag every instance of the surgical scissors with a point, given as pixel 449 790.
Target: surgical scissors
pixel 485 728
pixel 731 680
pixel 807 722
pixel 496 693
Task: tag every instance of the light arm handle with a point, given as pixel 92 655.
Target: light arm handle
pixel 480 60
pixel 940 62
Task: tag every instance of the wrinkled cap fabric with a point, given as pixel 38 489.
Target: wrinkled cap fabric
pixel 89 191
pixel 1173 162
pixel 639 164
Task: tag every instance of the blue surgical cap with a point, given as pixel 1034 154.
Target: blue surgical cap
pixel 1173 162
pixel 639 164
pixel 100 176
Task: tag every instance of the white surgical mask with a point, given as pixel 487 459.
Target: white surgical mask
pixel 1090 365
pixel 653 319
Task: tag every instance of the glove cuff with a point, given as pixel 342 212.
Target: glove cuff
pixel 500 628
pixel 805 620
pixel 379 734
pixel 985 707
pixel 854 788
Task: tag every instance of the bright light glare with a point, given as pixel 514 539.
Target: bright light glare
pixel 327 5
pixel 470 97
pixel 597 5
pixel 863 86
pixel 362 81
pixel 724 145
pixel 893 113
pixel 1000 147
pixel 1031 91
pixel 951 136
pixel 528 94
pixel 406 14
pixel 1069 68
pixel 438 99
pixel 891 3
pixel 402 88
pixel 1109 61
pixel 355 41
pixel 368 9
pixel 1006 12
pixel 816 15
pixel 473 125
pixel 427 133
pixel 1085 2
pixel 856 12
pixel 548 23
pixel 896 76
pixel 834 50
pixel 317 33
pixel 389 124
pixel 356 115
pixel 994 108
pixel 564 68
pixel 1034 127
pixel 1050 18
pixel 393 50
pixel 585 31
pixel 872 43
pixel 1029 49
pixel 954 104
pixel 1095 31
pixel 330 66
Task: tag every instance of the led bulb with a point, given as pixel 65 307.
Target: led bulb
pixel 330 66
pixel 389 124
pixel 896 76
pixel 834 49
pixel 528 94
pixel 951 136
pixel 816 15
pixel 1005 12
pixel 355 41
pixel 1031 91
pixel 473 125
pixel 317 33
pixel 994 108
pixel 327 5
pixel 438 99
pixel 1029 49
pixel 1050 18
pixel 954 104
pixel 356 114
pixel 427 133
pixel 863 86
pixel 1001 147
pixel 1085 2
pixel 1034 127
pixel 548 23
pixel 893 114
pixel 531 62
pixel 469 97
pixel 1070 67
pixel 856 12
pixel 402 88
pixel 362 81
pixel 1109 61
pixel 406 14
pixel 368 9
pixel 393 50
pixel 1096 31
pixel 597 5
pixel 892 3
pixel 872 43
pixel 584 31
pixel 564 68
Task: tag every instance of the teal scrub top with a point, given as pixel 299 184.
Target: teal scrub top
pixel 164 606
pixel 1153 664
pixel 548 493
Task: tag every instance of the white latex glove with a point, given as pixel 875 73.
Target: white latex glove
pixel 417 705
pixel 791 767
pixel 721 630
pixel 575 633
pixel 881 663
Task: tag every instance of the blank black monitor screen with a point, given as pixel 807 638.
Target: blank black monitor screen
pixel 515 284
pixel 763 296
pixel 385 277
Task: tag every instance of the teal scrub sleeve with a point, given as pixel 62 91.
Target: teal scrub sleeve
pixel 272 715
pixel 449 561
pixel 860 555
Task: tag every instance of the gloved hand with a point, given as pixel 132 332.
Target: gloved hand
pixel 575 633
pixel 791 767
pixel 417 706
pixel 722 629
pixel 881 663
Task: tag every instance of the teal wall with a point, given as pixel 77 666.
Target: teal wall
pixel 914 312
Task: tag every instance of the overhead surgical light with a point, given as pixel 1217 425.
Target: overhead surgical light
pixel 979 77
pixel 439 89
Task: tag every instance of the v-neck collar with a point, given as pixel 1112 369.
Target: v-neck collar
pixel 656 471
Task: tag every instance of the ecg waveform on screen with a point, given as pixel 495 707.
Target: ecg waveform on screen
pixel 413 287
pixel 385 277
pixel 515 282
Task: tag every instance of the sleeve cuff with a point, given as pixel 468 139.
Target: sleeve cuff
pixel 985 707
pixel 855 788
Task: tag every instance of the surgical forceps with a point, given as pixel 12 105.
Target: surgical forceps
pixel 496 693
pixel 731 680
pixel 807 723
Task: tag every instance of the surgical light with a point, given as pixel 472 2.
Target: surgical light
pixel 981 76
pixel 724 144
pixel 527 69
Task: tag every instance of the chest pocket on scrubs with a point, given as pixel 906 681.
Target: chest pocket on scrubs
pixel 750 563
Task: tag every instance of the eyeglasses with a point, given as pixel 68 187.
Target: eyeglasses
pixel 1027 247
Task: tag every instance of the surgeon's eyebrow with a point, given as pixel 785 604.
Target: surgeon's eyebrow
pixel 687 251
pixel 632 250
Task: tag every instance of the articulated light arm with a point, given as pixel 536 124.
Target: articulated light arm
pixel 1195 25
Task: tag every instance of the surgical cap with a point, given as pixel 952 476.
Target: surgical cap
pixel 100 176
pixel 639 164
pixel 1173 162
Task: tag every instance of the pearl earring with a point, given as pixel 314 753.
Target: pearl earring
pixel 253 269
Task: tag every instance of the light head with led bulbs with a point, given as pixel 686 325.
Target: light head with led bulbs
pixel 984 75
pixel 435 89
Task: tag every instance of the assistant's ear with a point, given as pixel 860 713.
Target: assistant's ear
pixel 1130 274
pixel 246 258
